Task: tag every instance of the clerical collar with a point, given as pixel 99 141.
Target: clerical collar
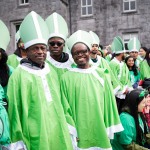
pixel 29 62
pixel 94 60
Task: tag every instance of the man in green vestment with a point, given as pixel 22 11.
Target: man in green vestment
pixel 57 57
pixel 20 52
pixel 88 99
pixel 37 120
pixel 120 71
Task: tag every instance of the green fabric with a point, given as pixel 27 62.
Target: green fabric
pixel 36 120
pixel 144 70
pixel 102 63
pixel 89 107
pixel 11 69
pixel 108 58
pixel 4 122
pixel 13 61
pixel 128 135
pixel 123 71
pixel 134 78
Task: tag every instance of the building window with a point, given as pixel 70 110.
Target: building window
pixel 23 2
pixel 129 5
pixel 127 37
pixel 86 8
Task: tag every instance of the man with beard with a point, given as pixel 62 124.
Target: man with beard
pixel 120 71
pixel 20 52
pixel 58 32
pixel 36 115
pixel 88 98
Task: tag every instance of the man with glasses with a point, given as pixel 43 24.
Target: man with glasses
pixel 88 99
pixel 36 115
pixel 58 32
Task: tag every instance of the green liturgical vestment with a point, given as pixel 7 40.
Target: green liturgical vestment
pixel 90 107
pixel 144 70
pixel 35 109
pixel 13 60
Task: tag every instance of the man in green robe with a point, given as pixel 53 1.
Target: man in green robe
pixel 14 59
pixel 101 62
pixel 58 32
pixel 36 115
pixel 120 71
pixel 88 99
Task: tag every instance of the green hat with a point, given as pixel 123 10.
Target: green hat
pixel 79 36
pixel 4 36
pixel 117 45
pixel 17 36
pixel 95 38
pixel 57 26
pixel 134 45
pixel 33 30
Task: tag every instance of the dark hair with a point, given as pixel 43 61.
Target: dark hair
pixel 4 69
pixel 144 48
pixel 134 67
pixel 131 103
pixel 147 58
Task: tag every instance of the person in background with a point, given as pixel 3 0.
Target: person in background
pixel 134 47
pixel 133 70
pixel 142 52
pixel 120 71
pixel 133 137
pixel 20 52
pixel 5 72
pixel 145 66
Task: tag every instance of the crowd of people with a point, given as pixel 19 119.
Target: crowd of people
pixel 60 92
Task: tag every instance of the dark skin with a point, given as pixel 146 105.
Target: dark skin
pixel 22 49
pixel 56 50
pixel 37 53
pixel 81 55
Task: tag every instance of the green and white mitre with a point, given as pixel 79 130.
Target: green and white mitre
pixel 33 30
pixel 134 45
pixel 119 69
pixel 117 45
pixel 57 27
pixel 95 38
pixel 17 36
pixel 5 36
pixel 77 37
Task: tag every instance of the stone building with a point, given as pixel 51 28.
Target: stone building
pixel 108 18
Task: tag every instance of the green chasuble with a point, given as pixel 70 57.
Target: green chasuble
pixel 102 63
pixel 13 60
pixel 108 57
pixel 90 107
pixel 144 70
pixel 59 67
pixel 121 72
pixel 35 109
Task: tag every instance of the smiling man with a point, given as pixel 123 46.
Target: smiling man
pixel 58 32
pixel 87 98
pixel 35 112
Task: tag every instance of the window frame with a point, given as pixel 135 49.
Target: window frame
pixel 86 6
pixel 131 35
pixel 22 4
pixel 130 10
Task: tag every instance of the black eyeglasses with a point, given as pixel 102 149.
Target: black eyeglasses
pixel 82 52
pixel 56 43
